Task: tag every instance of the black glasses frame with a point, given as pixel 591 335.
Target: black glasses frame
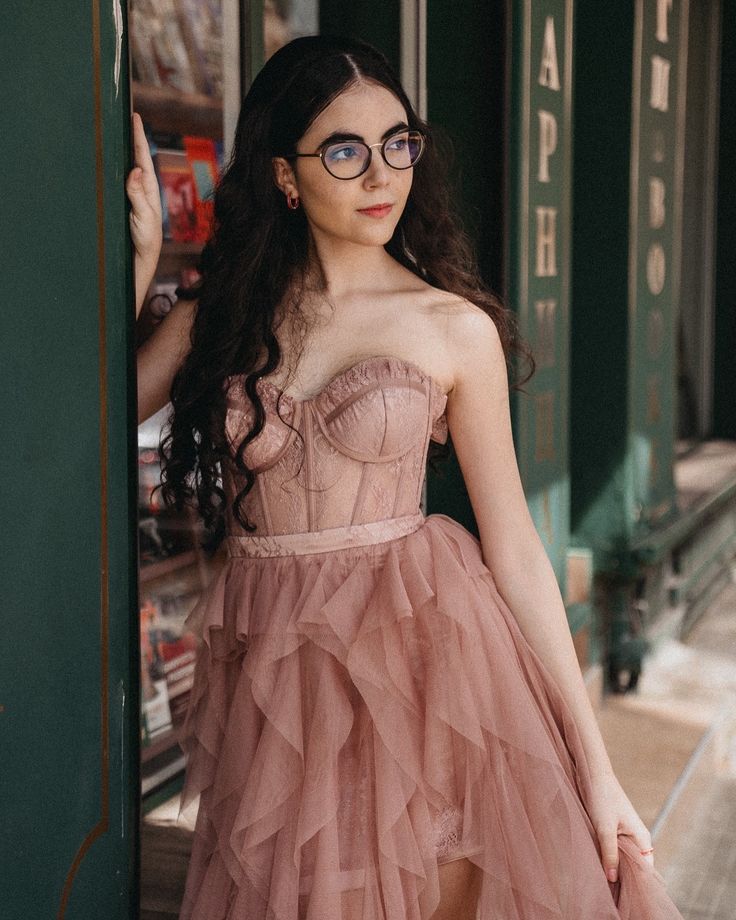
pixel 321 153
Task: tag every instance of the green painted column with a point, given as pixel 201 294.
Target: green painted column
pixel 628 209
pixel 69 698
pixel 655 214
pixel 538 255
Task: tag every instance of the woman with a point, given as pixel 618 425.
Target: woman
pixel 372 732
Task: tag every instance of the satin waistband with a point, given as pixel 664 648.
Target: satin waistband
pixel 321 541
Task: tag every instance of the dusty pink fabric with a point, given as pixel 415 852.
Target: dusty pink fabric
pixel 365 706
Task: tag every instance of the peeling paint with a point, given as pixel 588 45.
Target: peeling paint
pixel 121 696
pixel 117 15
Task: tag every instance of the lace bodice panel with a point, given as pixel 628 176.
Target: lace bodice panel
pixel 356 452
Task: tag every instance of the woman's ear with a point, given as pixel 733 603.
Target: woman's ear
pixel 283 175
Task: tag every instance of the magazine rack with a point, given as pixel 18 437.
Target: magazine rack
pixel 177 88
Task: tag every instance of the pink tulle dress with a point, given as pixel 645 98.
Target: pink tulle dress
pixel 365 706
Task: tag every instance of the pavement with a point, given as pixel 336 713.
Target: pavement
pixel 672 744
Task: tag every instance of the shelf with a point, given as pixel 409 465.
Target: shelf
pixel 158 746
pixel 175 112
pixel 174 256
pixel 164 773
pixel 176 248
pixel 152 570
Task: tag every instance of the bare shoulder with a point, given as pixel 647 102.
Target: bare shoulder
pixel 473 329
pixel 471 341
pixel 463 318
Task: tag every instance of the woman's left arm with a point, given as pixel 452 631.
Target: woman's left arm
pixel 478 416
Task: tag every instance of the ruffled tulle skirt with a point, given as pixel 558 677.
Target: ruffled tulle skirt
pixel 360 716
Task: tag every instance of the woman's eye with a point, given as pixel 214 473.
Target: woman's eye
pixel 398 144
pixel 341 153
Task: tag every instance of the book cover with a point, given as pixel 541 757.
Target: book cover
pixel 202 156
pixel 178 195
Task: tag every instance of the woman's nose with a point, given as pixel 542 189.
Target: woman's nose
pixel 378 169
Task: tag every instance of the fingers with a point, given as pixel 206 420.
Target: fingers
pixel 142 155
pixel 141 184
pixel 135 190
pixel 639 832
pixel 608 840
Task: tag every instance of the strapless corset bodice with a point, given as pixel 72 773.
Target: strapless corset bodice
pixel 354 453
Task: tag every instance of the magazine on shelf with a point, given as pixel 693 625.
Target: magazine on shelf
pixel 202 157
pixel 187 180
pixel 168 657
pixel 178 195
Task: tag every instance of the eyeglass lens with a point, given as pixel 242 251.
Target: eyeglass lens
pixel 347 159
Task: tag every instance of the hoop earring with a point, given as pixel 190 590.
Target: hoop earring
pixel 293 203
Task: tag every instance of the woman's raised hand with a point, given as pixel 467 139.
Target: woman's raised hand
pixel 145 215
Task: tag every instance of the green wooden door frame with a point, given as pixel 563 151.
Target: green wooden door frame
pixel 69 697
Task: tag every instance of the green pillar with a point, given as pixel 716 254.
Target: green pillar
pixel 69 698
pixel 538 255
pixel 629 119
pixel 628 141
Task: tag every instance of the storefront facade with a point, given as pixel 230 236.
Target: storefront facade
pixel 593 151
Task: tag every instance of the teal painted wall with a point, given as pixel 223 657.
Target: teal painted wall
pixel 377 22
pixel 69 680
pixel 466 101
pixel 626 294
pixel 599 327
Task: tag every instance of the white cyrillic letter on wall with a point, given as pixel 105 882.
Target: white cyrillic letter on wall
pixel 547 143
pixel 549 73
pixel 656 202
pixel 659 97
pixel 545 313
pixel 656 268
pixel 546 242
pixel 663 8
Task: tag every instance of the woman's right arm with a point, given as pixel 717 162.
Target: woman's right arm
pixel 161 355
pixel 145 219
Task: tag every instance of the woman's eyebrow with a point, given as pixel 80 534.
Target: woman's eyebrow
pixel 341 135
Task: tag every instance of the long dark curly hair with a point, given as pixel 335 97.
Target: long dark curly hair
pixel 258 256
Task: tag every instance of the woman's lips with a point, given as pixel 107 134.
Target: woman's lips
pixel 376 212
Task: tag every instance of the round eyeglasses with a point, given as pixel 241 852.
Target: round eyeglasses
pixel 350 159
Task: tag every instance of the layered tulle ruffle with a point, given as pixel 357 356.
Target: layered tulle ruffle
pixel 344 704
